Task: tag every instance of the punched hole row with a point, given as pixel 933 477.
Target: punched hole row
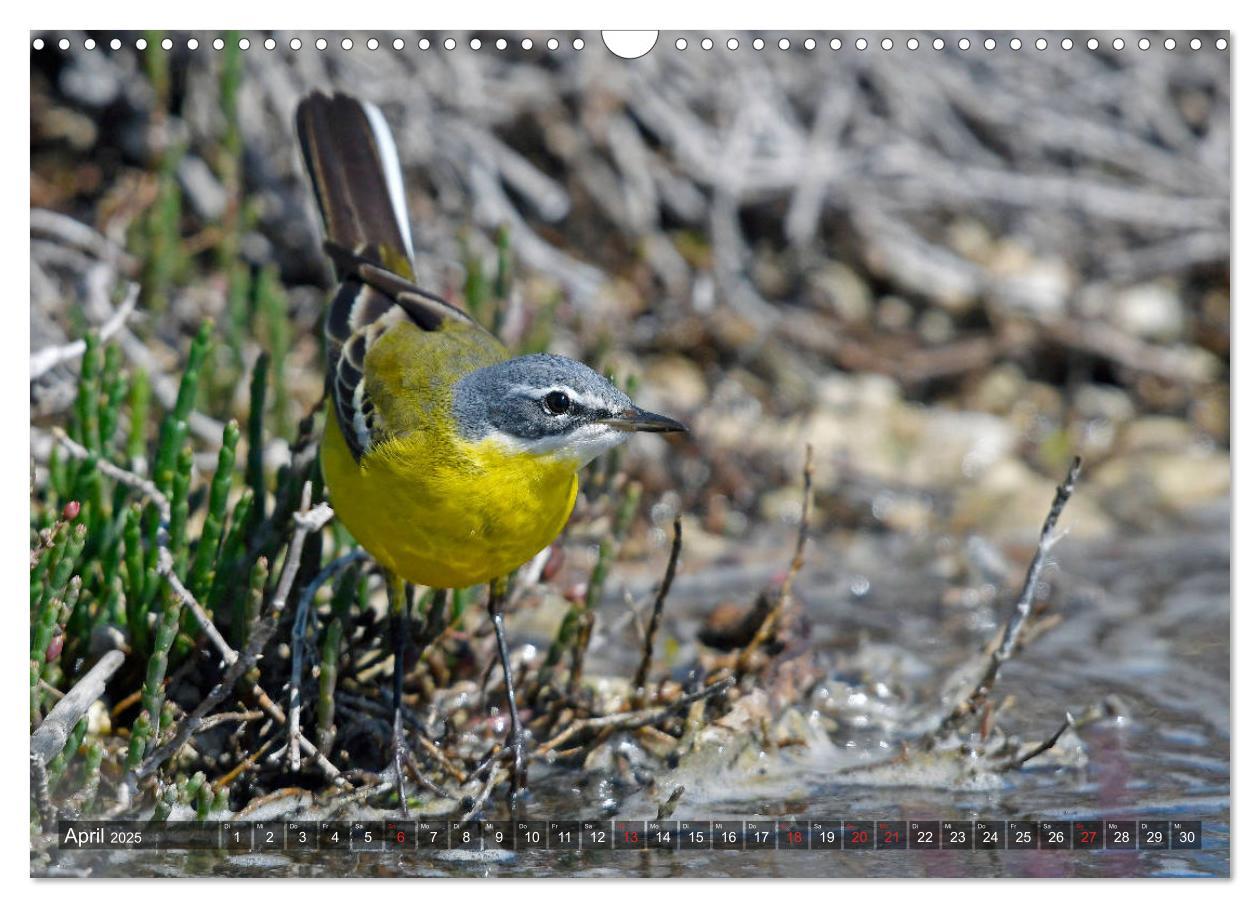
pixel 578 43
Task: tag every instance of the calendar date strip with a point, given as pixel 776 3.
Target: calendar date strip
pixel 636 835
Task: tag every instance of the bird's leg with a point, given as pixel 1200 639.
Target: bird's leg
pixel 498 591
pixel 400 613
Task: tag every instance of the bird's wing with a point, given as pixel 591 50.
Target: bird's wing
pixel 351 158
pixel 370 301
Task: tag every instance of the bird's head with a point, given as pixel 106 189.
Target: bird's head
pixel 550 405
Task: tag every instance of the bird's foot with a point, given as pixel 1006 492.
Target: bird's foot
pixel 401 753
pixel 516 747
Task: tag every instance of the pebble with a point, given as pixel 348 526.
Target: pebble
pixel 1151 311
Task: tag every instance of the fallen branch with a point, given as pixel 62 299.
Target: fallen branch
pixel 50 738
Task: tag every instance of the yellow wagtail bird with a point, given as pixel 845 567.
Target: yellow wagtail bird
pixel 451 463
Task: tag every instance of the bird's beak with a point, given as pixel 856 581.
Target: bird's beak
pixel 633 419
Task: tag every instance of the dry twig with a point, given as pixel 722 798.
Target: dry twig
pixel 50 738
pixel 50 357
pixel 297 648
pixel 649 636
pixel 744 660
pixel 635 718
pixel 307 520
pixel 1023 605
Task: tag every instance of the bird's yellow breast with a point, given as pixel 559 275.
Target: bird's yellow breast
pixel 443 512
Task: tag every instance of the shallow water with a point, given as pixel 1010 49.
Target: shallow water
pixel 1145 620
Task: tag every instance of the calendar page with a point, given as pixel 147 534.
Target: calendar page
pixel 582 454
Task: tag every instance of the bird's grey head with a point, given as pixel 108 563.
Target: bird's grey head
pixel 547 404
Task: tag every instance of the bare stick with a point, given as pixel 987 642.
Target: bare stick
pixel 297 646
pixel 667 808
pixel 165 561
pixel 78 235
pixel 640 676
pixel 50 738
pixel 1017 762
pixel 39 791
pixel 798 562
pixel 493 777
pixel 307 520
pixel 249 715
pixel 166 569
pixel 1023 605
pixel 424 781
pixel 636 718
pixel 44 360
pixel 136 483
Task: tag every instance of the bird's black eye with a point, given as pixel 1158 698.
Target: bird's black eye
pixel 556 403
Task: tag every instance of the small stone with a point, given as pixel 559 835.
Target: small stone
pixel 1188 480
pixel 894 314
pixel 1042 287
pixel 677 382
pixel 1103 402
pixel 1144 487
pixel 971 239
pixel 1210 411
pixel 935 327
pixel 999 390
pixel 902 512
pixel 952 445
pixel 771 277
pixel 1151 311
pixel 99 724
pixel 1156 433
pixel 90 79
pixel 1010 500
pixel 840 289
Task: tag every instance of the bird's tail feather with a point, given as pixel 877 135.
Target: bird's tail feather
pixel 353 164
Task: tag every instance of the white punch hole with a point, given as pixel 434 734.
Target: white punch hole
pixel 629 45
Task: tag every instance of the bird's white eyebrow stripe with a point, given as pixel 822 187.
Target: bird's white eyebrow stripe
pixel 539 393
